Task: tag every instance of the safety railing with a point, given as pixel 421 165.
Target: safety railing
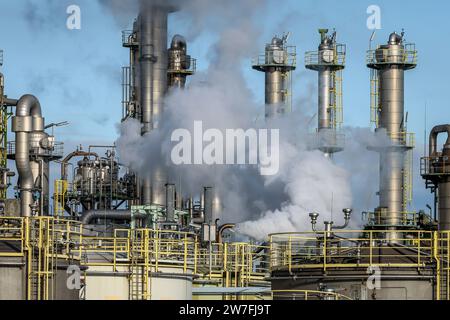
pixel 442 256
pixel 183 67
pixel 107 251
pixel 62 235
pixel 403 56
pixel 287 57
pixel 168 248
pixel 59 197
pixel 129 39
pixel 328 140
pixel 157 248
pixel 407 218
pixel 407 139
pixel 56 152
pixel 307 295
pixel 435 166
pixel 12 237
pixel 351 249
pixel 233 264
pixel 332 58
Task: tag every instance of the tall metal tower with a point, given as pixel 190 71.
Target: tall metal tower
pixel 388 63
pixel 328 61
pixel 181 65
pixel 153 69
pixel 278 62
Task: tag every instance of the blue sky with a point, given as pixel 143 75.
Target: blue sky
pixel 77 74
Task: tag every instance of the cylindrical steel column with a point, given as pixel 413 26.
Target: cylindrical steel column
pixel 277 63
pixel 391 185
pixel 275 88
pixel 159 17
pixel 146 58
pixel 324 115
pixel 179 63
pixel 391 91
pixel 390 62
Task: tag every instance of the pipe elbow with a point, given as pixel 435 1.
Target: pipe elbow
pixel 28 105
pixel 434 135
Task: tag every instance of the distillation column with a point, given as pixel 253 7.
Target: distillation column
pixel 181 65
pixel 328 61
pixel 153 69
pixel 278 62
pixel 389 63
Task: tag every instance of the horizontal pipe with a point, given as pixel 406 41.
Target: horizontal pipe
pixel 10 102
pixel 89 216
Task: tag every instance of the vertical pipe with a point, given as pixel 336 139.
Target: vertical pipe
pixel 170 202
pixel 25 175
pixel 208 204
pixel 146 68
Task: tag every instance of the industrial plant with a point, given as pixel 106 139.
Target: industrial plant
pixel 104 230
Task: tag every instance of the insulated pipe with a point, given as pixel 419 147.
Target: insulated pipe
pixel 433 137
pixel 28 119
pixel 146 60
pixel 170 202
pixel 222 229
pixel 10 102
pixel 89 216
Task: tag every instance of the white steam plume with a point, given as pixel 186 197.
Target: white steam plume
pixel 220 98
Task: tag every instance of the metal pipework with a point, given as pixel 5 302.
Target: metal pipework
pixel 28 119
pixel 211 207
pixel 329 225
pixel 222 229
pixel 390 62
pixel 89 216
pixel 438 171
pixel 153 64
pixel 65 162
pixel 277 64
pixel 433 138
pixel 170 202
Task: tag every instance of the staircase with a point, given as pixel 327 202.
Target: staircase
pixel 140 281
pixel 40 264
